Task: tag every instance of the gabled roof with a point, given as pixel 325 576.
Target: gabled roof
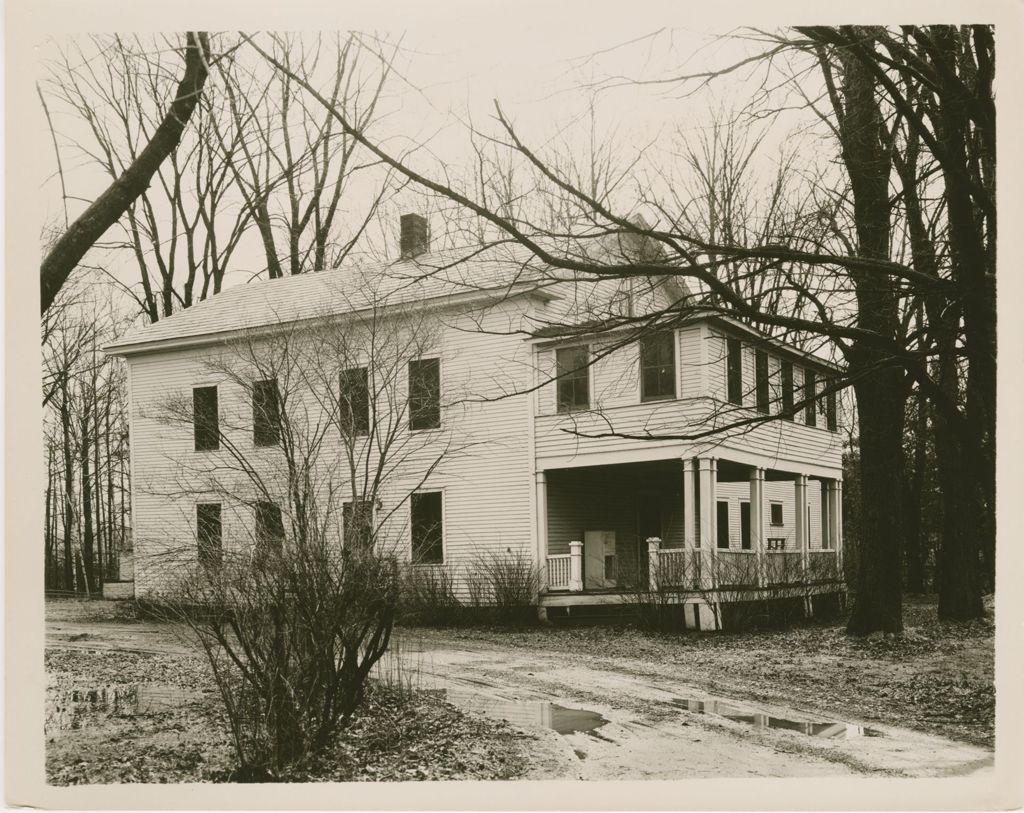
pixel 438 276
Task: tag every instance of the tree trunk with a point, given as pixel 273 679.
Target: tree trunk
pixel 879 381
pixel 916 549
pixel 88 558
pixel 107 209
pixel 69 486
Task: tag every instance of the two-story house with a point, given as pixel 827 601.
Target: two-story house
pixel 695 457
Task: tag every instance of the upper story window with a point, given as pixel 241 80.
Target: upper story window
pixel 208 534
pixel 657 367
pixel 427 515
pixel 573 371
pixel 425 394
pixel 786 371
pixel 354 402
pixel 810 399
pixel 831 417
pixel 761 381
pixel 266 413
pixel 357 524
pixel 734 369
pixel 205 420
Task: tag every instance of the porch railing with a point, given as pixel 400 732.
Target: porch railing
pixel 559 571
pixel 822 565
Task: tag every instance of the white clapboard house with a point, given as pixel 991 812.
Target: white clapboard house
pixel 587 450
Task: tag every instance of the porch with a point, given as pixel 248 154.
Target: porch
pixel 693 529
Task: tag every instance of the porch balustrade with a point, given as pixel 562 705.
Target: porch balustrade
pixel 558 571
pixel 822 565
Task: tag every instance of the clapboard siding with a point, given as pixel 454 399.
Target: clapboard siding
pixel 486 482
pixel 774 491
pixel 605 499
pixel 562 439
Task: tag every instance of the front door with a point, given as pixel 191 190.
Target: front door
pixel 648 524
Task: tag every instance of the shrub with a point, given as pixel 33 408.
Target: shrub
pixel 291 637
pixel 506 586
pixel 428 596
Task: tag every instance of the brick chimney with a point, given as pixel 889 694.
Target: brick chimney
pixel 415 236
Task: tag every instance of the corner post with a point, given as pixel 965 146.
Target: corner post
pixel 576 566
pixel 653 561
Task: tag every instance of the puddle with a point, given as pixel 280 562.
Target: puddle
pixel 759 720
pixel 535 713
pixel 80 708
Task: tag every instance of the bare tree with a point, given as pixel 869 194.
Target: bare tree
pixel 130 183
pixel 315 457
pixel 863 317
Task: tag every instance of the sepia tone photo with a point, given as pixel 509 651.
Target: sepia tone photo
pixel 427 407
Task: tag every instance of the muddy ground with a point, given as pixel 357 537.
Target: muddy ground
pixel 598 703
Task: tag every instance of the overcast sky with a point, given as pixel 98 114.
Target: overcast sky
pixel 542 68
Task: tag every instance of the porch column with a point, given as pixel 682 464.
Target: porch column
pixel 757 519
pixel 689 510
pixel 800 528
pixel 541 506
pixel 708 467
pixel 576 566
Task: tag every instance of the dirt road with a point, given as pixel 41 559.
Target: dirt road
pixel 606 722
pixel 665 727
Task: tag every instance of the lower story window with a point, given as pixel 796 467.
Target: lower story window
pixel 723 524
pixel 357 524
pixel 427 528
pixel 208 534
pixel 269 528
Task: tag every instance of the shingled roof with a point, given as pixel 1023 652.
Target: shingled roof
pixel 438 275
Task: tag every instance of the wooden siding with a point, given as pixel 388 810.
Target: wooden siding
pixel 774 491
pixel 616 409
pixel 486 483
pixel 605 499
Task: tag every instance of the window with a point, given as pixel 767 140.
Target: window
pixel 425 394
pixel 266 414
pixel 831 419
pixel 776 513
pixel 723 524
pixel 810 403
pixel 573 373
pixel 735 371
pixel 745 525
pixel 761 380
pixel 427 528
pixel 269 528
pixel 208 534
pixel 826 531
pixel 205 423
pixel 787 390
pixel 357 525
pixel 354 404
pixel 657 367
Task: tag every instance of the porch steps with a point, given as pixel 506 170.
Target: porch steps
pixel 592 614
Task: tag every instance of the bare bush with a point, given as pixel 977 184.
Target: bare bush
pixel 508 583
pixel 428 596
pixel 291 636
